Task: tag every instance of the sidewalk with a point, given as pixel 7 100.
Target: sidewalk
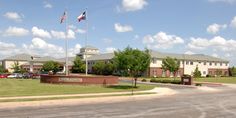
pixel 158 92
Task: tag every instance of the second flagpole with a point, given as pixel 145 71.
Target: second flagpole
pixel 86 41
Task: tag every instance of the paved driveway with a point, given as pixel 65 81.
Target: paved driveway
pixel 190 103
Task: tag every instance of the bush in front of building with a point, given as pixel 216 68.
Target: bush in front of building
pixel 51 66
pixel 156 80
pixel 102 68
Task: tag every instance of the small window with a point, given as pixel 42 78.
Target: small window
pixel 191 63
pixel 220 64
pixel 187 62
pixel 204 72
pixel 210 63
pixel 199 62
pixel 226 64
pixel 215 64
pixel 204 63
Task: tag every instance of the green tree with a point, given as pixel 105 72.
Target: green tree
pixel 197 73
pixel 98 67
pixel 102 68
pixel 171 64
pixel 132 61
pixel 51 66
pixel 233 71
pixel 16 67
pixel 78 66
pixel 1 69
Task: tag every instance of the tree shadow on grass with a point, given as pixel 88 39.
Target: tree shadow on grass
pixel 121 87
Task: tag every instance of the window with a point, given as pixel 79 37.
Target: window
pixel 210 63
pixel 187 62
pixel 204 63
pixel 154 60
pixel 226 64
pixel 204 72
pixel 215 64
pixel 191 63
pixel 199 62
pixel 163 73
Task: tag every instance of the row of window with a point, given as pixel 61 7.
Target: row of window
pixel 154 61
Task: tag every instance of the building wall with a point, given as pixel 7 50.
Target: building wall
pixel 7 64
pixel 189 66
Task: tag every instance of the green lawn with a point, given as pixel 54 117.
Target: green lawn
pixel 31 87
pixel 231 80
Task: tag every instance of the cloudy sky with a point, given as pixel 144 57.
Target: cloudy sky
pixel 174 26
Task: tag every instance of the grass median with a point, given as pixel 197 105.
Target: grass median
pixel 33 87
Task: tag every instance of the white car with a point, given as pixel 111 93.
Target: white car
pixel 15 75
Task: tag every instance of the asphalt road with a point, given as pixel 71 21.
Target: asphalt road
pixel 191 104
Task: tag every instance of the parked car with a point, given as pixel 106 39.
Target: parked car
pixel 15 75
pixel 3 75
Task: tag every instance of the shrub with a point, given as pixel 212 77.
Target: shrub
pixel 198 84
pixel 144 80
pixel 208 75
pixel 153 80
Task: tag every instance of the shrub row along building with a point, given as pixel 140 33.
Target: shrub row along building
pixel 207 65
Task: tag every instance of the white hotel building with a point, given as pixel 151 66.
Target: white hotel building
pixel 207 65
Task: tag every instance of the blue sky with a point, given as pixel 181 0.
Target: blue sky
pixel 186 26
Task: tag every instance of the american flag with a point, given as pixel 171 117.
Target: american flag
pixel 63 17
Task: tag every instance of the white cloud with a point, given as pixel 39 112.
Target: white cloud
pixel 198 43
pixel 189 52
pixel 214 55
pixel 47 4
pixel 133 5
pixel 14 16
pixel 233 22
pixel 70 34
pixel 39 46
pixel 62 35
pixel 215 28
pixel 75 50
pixel 124 28
pixel 6 46
pixel 162 40
pixel 107 40
pixel 216 43
pixel 81 31
pixel 110 49
pixel 224 1
pixel 40 33
pixel 15 31
pixel 58 34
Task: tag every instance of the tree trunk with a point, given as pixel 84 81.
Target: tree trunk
pixel 135 82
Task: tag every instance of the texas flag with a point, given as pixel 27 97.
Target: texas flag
pixel 82 16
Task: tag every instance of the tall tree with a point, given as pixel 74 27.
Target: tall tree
pixel 197 73
pixel 51 66
pixel 170 64
pixel 16 67
pixel 133 61
pixel 1 69
pixel 78 66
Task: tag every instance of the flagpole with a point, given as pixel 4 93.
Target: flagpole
pixel 86 41
pixel 66 43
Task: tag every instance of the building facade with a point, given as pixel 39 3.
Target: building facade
pixel 207 65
